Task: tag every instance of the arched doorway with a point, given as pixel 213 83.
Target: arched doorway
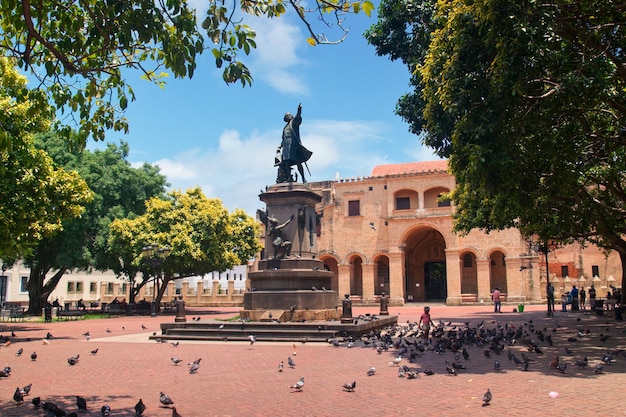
pixel 330 264
pixel 356 276
pixel 425 266
pixel 497 271
pixel 381 279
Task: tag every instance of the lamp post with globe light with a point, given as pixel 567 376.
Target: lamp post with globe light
pixel 155 255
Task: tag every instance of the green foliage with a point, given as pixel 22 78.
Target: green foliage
pixel 202 234
pixel 118 191
pixel 81 51
pixel 528 100
pixel 36 197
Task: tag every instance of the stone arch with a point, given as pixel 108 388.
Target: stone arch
pixel 356 274
pixel 497 270
pixel 381 275
pixel 424 264
pixel 331 262
pixel 469 274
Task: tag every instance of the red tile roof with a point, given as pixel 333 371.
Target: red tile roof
pixel 410 167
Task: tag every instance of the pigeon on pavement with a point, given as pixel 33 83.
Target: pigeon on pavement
pixel 349 387
pixel 140 407
pixel 165 399
pixel 18 396
pixel 487 397
pixel 81 403
pixel 298 385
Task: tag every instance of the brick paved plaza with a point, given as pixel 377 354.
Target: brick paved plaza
pixel 237 379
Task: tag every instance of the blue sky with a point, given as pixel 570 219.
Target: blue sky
pixel 223 138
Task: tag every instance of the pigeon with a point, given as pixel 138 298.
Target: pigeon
pixel 175 413
pixel 252 339
pixel 49 336
pixel 396 361
pixel 429 372
pixel 19 352
pixel 46 341
pixel 465 354
pixel 487 398
pixel 144 327
pixel 93 352
pixel 36 402
pixel 26 389
pixel 450 369
pixel 194 368
pixel 496 365
pixel 105 411
pixel 139 408
pixel 81 404
pixel 176 343
pixel 86 333
pixel 73 360
pixel 290 362
pixel 165 400
pixel 176 361
pixel 598 369
pixel 349 387
pixel 298 385
pixel 371 371
pixel 280 366
pixel 18 396
pixel 194 362
pixel 581 363
pixel 109 330
pixel 221 326
pixel 561 367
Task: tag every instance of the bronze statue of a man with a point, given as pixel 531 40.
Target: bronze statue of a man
pixel 291 152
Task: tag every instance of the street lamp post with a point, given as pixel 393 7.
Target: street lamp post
pixel 155 255
pixel 545 249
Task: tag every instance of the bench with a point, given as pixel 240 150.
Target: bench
pixel 71 314
pixel 13 313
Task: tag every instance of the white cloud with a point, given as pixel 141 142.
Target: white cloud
pixel 240 167
pixel 275 59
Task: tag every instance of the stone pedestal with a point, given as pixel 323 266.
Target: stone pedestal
pixel 290 277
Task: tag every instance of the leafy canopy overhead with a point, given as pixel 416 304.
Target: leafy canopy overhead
pixel 528 100
pixel 77 50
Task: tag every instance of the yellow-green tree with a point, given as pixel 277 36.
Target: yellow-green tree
pixel 201 233
pixel 36 196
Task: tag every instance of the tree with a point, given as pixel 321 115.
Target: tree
pixel 202 234
pixel 78 50
pixel 36 197
pixel 528 101
pixel 118 190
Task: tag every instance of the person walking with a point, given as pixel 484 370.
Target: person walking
pixel 426 322
pixel 495 297
pixel 583 298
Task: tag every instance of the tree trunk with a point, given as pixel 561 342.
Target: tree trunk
pixel 39 289
pixel 622 257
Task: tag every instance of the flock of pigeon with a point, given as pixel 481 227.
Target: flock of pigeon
pixel 51 409
pixel 409 347
pixel 492 338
